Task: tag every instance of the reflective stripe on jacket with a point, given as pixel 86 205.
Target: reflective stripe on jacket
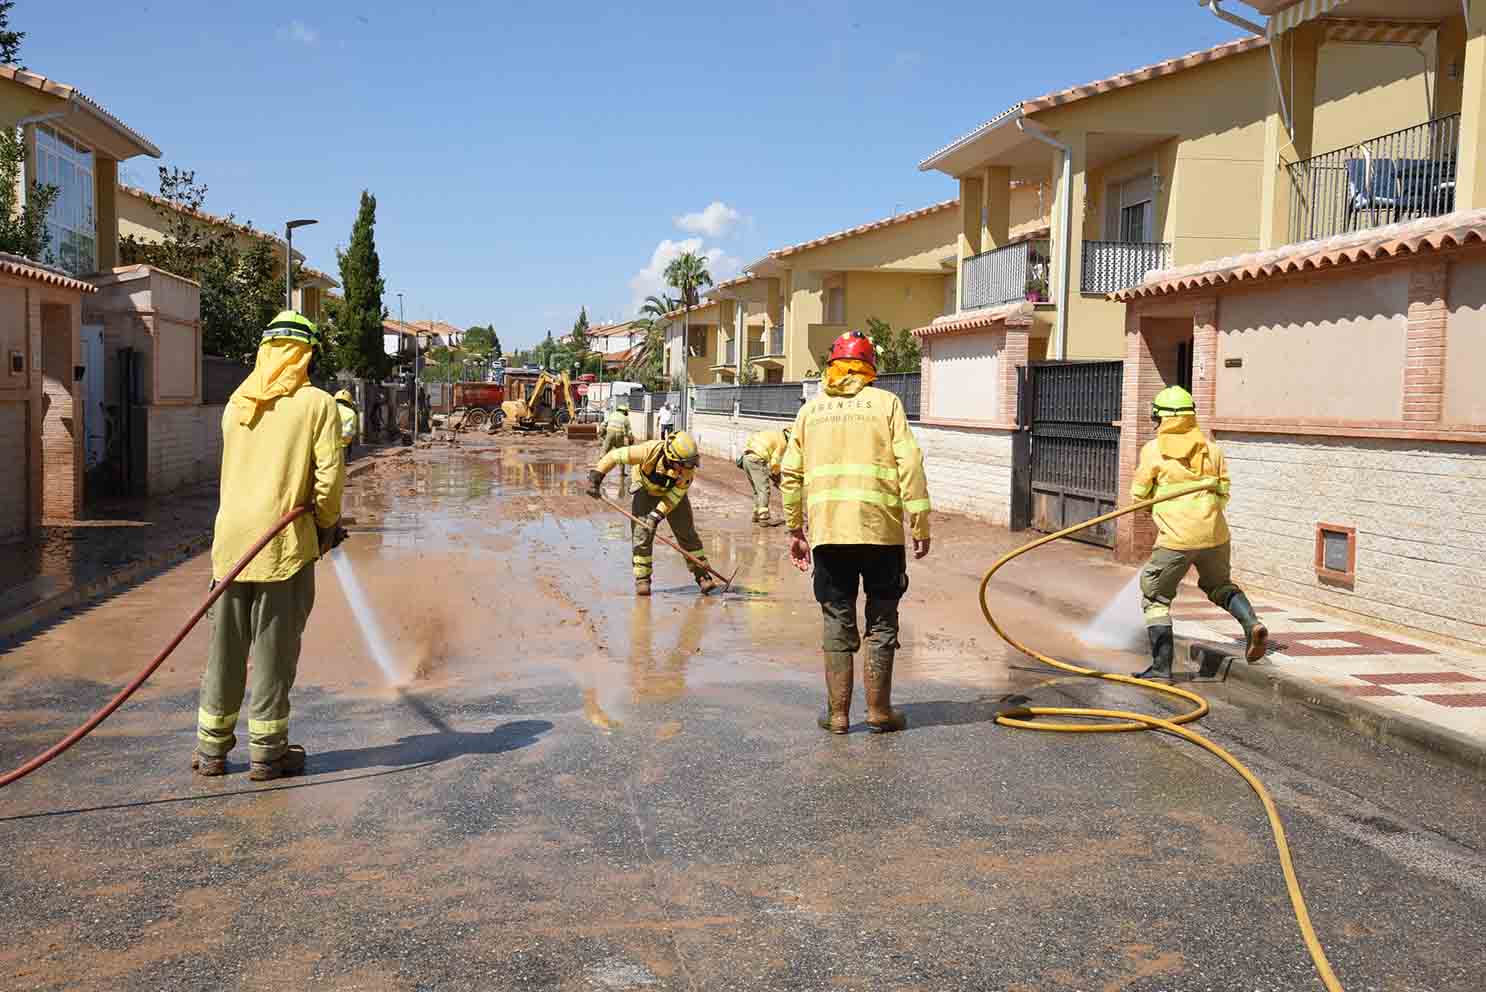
pixel 1180 457
pixel 767 447
pixel 853 465
pixel 348 423
pixel 617 423
pixel 647 471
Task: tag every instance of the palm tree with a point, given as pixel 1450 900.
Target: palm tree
pixel 687 273
pixel 652 322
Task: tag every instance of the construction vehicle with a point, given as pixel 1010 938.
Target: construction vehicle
pixel 477 406
pixel 545 403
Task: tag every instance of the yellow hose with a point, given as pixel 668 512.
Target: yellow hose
pixel 1117 721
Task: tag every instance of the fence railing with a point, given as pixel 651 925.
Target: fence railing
pixel 1114 265
pixel 1406 175
pixel 783 399
pixel 1015 272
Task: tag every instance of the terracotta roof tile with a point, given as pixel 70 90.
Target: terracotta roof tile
pixel 1395 240
pixel 1015 314
pixel 18 265
pixel 201 215
pixel 875 225
pixel 62 91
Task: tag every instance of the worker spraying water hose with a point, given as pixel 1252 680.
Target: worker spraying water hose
pixel 1183 471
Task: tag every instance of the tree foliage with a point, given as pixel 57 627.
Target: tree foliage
pixel 22 224
pixel 897 350
pixel 359 322
pixel 646 366
pixel 578 338
pixel 483 341
pixel 687 273
pixel 10 41
pixel 241 289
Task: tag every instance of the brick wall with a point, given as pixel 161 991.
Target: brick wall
pixel 1419 509
pixel 16 480
pixel 183 446
pixel 969 470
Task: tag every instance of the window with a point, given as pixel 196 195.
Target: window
pixel 70 224
pixel 1336 554
pixel 836 305
pixel 1131 213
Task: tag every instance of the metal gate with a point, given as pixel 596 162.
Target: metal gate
pixel 1066 462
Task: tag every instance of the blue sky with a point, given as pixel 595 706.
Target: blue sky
pixel 532 157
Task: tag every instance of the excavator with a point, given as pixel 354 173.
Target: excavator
pixel 548 406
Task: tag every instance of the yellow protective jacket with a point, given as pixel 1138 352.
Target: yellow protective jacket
pixel 649 472
pixel 854 464
pixel 768 447
pixel 618 423
pixel 349 423
pixel 288 455
pixel 1181 456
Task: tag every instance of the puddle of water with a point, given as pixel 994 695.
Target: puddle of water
pixel 1119 626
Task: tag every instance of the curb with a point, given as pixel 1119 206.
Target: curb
pixel 1356 714
pixel 43 610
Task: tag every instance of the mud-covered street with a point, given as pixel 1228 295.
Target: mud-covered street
pixel 577 789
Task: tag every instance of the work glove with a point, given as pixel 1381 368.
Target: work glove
pixel 331 537
pixel 595 483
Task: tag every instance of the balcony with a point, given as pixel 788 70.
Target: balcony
pixel 1002 275
pixel 1110 266
pixel 1406 175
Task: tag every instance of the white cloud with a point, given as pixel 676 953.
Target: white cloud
pixel 651 280
pixel 712 221
pixel 299 32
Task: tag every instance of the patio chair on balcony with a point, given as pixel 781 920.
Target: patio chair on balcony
pixel 1372 184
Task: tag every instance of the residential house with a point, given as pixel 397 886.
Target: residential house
pixel 800 298
pixel 691 343
pixel 750 330
pixel 1339 360
pixel 617 345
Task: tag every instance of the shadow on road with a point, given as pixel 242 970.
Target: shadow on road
pixel 949 713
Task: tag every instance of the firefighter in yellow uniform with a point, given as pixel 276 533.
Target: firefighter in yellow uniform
pixel 852 470
pixel 660 474
pixel 281 448
pixel 617 432
pixel 760 461
pixel 350 420
pixel 1192 529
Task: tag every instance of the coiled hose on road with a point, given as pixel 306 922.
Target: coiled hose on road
pixel 93 721
pixel 1118 721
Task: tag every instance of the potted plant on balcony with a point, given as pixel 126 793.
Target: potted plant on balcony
pixel 1037 290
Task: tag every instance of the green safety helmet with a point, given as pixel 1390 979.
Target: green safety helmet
pixel 291 325
pixel 1173 401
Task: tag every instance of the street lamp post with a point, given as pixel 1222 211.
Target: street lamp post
pixel 289 258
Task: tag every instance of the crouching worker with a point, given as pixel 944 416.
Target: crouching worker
pixel 760 461
pixel 854 465
pixel 281 448
pixel 1192 529
pixel 660 474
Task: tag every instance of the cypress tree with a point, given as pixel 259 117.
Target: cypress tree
pixel 359 320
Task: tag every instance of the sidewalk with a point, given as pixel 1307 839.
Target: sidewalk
pixel 1382 682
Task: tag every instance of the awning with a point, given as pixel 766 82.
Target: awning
pixel 1380 32
pixel 1294 16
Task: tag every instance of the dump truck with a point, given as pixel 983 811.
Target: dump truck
pixel 477 406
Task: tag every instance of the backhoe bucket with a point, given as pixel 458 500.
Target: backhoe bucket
pixel 583 432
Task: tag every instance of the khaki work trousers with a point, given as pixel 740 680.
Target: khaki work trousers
pixel 1163 575
pixel 643 537
pixel 266 620
pixel 758 477
pixel 612 440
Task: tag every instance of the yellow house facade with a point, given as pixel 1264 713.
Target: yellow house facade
pixel 691 344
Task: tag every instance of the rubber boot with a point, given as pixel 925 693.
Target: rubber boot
pixel 291 762
pixel 837 716
pixel 1162 648
pixel 877 679
pixel 205 764
pixel 642 587
pixel 1255 634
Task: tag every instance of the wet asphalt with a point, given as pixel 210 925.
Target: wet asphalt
pixel 577 791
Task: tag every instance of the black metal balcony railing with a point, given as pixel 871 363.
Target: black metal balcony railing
pixel 1015 272
pixel 1116 265
pixel 1406 175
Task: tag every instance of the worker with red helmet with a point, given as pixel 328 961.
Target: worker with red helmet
pixel 850 473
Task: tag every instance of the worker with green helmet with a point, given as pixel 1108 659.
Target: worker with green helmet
pixel 661 472
pixel 617 432
pixel 1191 528
pixel 281 449
pixel 350 420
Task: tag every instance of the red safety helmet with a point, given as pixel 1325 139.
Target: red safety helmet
pixel 855 344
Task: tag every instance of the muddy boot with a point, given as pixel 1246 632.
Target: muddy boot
pixel 1255 634
pixel 291 762
pixel 642 587
pixel 205 764
pixel 837 715
pixel 877 678
pixel 707 582
pixel 1162 647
